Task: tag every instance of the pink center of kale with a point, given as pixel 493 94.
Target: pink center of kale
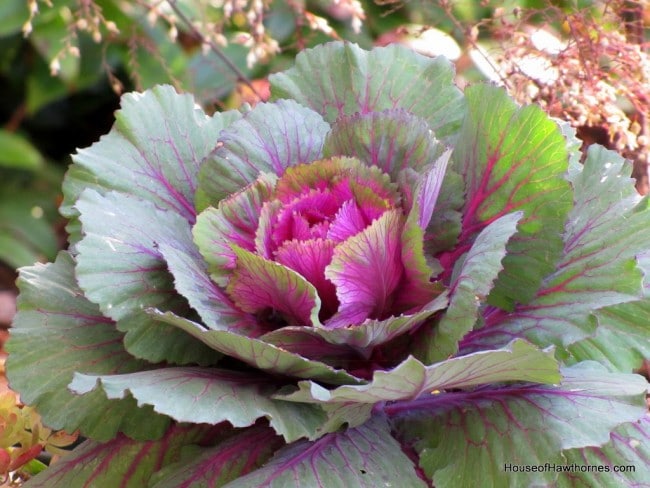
pixel 317 207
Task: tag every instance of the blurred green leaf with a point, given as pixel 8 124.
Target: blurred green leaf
pixel 50 40
pixel 26 234
pixel 13 14
pixel 18 152
pixel 42 87
pixel 28 214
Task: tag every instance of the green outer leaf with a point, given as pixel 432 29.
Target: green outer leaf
pixel 363 457
pixel 192 281
pixel 153 151
pixel 257 353
pixel 121 462
pixel 148 339
pixel 366 336
pixel 338 79
pixel 460 434
pixel 77 179
pixel 521 361
pixel 391 140
pixel 17 152
pixel 372 332
pixel 629 446
pixel 621 339
pixel 480 269
pixel 120 267
pixel 202 395
pixel 235 456
pixel 268 139
pixel 444 228
pixel 56 333
pixel 307 343
pixel 607 230
pixel 513 159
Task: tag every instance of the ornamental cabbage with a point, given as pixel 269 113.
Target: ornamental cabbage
pixel 375 279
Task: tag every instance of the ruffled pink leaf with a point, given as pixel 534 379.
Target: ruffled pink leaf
pixel 347 222
pixel 339 176
pixel 310 258
pixel 264 244
pixel 366 270
pixel 260 285
pixel 305 218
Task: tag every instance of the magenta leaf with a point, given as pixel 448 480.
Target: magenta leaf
pixel 210 396
pixel 58 332
pixel 309 258
pixel 366 270
pixel 269 139
pixel 367 456
pixel 341 79
pixel 264 287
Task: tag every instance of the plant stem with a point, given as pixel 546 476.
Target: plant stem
pixel 213 46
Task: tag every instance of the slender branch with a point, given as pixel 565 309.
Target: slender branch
pixel 241 77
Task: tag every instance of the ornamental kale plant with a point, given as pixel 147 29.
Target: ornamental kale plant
pixel 373 280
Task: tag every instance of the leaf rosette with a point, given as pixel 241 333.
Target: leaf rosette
pixel 372 279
